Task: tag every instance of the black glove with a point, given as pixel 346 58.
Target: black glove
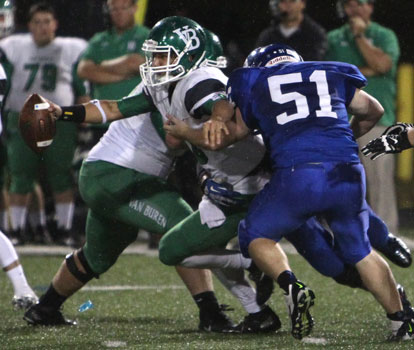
pixel 397 128
pixel 386 144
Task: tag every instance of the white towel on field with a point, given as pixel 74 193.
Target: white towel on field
pixel 210 214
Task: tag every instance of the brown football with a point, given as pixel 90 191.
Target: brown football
pixel 36 124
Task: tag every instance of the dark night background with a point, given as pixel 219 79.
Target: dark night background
pixel 235 21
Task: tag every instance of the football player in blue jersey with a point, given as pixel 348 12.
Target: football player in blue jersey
pixel 301 110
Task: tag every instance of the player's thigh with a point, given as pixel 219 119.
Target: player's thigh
pixel 284 204
pixel 191 237
pixel 22 161
pixel 316 245
pixel 59 156
pixel 106 239
pixel 135 199
pixel 348 214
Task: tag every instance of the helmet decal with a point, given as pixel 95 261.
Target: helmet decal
pixel 189 36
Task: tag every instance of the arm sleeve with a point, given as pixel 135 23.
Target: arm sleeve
pixel 353 80
pixel 134 105
pixel 200 98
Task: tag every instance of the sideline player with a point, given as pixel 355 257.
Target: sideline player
pixel 24 296
pixel 39 61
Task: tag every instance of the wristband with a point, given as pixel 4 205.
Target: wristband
pixel 74 114
pixel 97 103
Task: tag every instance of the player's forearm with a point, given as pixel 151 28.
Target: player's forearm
pixel 94 112
pixel 222 110
pixel 82 99
pixel 96 74
pixel 376 59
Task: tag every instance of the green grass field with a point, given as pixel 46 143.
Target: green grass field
pixel 158 313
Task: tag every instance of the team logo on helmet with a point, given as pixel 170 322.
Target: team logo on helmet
pixel 188 35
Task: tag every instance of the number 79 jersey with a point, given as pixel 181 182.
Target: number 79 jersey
pixel 300 109
pixel 46 70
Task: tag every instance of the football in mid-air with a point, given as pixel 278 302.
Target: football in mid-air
pixel 36 124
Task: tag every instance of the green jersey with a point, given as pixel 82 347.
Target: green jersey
pixel 342 47
pixel 108 45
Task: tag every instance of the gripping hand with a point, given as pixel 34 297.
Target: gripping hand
pixel 221 193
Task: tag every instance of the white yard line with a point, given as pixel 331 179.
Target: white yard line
pixel 137 248
pixel 129 287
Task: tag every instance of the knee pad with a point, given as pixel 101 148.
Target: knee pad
pixel 350 277
pixel 74 270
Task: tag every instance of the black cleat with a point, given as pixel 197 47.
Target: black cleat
pixel 299 300
pixel 264 284
pixel 264 321
pixel 37 315
pixel 402 326
pixel 397 251
pixel 214 319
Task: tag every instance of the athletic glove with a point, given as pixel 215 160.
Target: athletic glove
pixel 397 128
pixel 221 193
pixel 386 144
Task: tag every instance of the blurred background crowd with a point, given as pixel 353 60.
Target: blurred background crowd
pixel 374 35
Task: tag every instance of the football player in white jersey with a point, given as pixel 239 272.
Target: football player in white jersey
pixel 128 169
pixel 9 261
pixel 43 63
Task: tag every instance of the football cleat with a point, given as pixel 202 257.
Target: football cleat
pixel 213 319
pixel 397 251
pixel 23 302
pixel 402 326
pixel 299 300
pixel 264 321
pixel 264 284
pixel 37 315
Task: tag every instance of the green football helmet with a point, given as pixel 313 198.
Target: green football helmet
pixel 214 51
pixel 182 41
pixel 6 17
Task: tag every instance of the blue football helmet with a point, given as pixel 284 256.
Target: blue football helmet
pixel 270 55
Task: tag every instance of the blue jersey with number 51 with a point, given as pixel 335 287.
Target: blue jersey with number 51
pixel 300 109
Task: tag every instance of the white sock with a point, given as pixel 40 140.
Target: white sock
pixel 19 282
pixel 235 281
pixel 8 254
pixel 64 215
pixel 18 217
pixel 223 258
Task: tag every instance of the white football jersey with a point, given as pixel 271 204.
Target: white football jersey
pixel 134 143
pixel 232 164
pixel 44 70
